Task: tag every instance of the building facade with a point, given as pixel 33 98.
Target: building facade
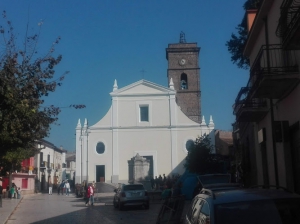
pixel 267 109
pixel 50 165
pixel 153 121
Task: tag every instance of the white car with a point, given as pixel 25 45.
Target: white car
pixel 131 195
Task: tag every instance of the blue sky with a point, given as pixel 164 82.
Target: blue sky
pixel 103 40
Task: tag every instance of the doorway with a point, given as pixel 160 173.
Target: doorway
pixel 100 173
pixel 151 173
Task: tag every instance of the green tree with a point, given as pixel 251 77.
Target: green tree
pixel 200 158
pixel 26 79
pixel 237 42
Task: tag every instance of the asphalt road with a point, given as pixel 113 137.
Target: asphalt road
pixel 45 208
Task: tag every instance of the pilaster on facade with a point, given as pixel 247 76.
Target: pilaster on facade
pixel 78 137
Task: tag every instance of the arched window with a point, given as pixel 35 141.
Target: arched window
pixel 184 81
pixel 100 148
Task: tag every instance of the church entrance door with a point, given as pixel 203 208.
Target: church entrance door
pixel 100 173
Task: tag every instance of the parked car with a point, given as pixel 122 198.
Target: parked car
pixel 129 195
pixel 233 206
pixel 191 180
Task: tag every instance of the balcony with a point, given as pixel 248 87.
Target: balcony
pixel 249 110
pixel 274 73
pixel 289 24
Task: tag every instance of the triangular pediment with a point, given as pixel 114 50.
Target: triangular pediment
pixel 142 87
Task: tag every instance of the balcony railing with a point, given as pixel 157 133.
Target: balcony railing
pixel 250 110
pixel 289 24
pixel 274 72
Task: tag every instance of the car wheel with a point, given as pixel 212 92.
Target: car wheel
pixel 115 204
pixel 121 207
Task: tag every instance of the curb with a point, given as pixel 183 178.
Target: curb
pixel 8 218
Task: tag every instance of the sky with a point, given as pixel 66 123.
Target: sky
pixel 104 40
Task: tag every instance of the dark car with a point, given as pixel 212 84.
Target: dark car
pixel 255 205
pixel 131 195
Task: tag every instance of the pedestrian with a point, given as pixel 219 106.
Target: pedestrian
pixel 61 186
pixel 50 187
pixel 92 194
pixel 152 182
pixel 169 182
pixel 89 191
pixel 8 191
pixel 58 188
pixel 67 186
pixel 156 181
pixel 1 189
pixel 161 183
pixel 164 178
pixel 18 193
pixel 12 192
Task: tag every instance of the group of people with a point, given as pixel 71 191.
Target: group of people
pixel 160 182
pixel 63 188
pixel 14 191
pixel 90 193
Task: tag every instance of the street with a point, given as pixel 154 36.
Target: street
pixel 45 208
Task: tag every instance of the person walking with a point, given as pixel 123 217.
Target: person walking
pixel 58 188
pixel 92 194
pixel 61 186
pixel 152 181
pixel 12 192
pixel 89 191
pixel 156 181
pixel 50 187
pixel 67 186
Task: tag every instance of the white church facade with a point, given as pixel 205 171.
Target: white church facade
pixel 146 119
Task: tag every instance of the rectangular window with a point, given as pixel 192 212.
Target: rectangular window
pixel 24 184
pixel 144 113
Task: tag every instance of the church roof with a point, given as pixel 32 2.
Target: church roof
pixel 142 87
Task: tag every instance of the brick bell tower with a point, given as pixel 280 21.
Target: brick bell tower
pixel 183 68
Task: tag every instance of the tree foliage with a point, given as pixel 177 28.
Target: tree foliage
pixel 200 158
pixel 237 42
pixel 26 79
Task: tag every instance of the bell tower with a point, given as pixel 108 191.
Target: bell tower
pixel 183 68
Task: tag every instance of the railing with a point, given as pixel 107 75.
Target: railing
pixel 250 104
pixel 289 20
pixel 243 94
pixel 273 59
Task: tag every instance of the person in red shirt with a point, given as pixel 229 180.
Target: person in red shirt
pixel 89 195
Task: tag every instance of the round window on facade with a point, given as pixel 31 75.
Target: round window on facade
pixel 100 148
pixel 189 144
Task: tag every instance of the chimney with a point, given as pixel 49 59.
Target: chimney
pixel 251 13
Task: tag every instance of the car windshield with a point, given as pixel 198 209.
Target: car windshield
pixel 133 187
pixel 267 211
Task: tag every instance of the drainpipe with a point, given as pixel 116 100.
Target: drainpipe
pixel 271 107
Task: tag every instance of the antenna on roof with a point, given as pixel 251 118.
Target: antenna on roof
pixel 182 37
